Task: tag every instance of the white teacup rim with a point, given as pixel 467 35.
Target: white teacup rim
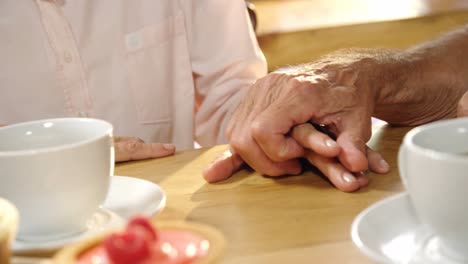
pixel 409 139
pixel 61 147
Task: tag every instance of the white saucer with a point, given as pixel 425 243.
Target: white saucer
pixel 129 196
pixel 102 220
pixel 389 232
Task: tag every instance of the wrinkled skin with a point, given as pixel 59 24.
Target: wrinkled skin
pixel 270 129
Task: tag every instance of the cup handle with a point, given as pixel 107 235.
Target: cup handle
pixel 402 159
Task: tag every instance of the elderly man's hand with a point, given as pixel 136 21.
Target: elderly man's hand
pixel 132 148
pixel 269 130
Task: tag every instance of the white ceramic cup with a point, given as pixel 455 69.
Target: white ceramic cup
pixel 56 172
pixel 433 163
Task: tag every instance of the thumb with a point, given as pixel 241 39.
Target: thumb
pixel 223 167
pixel 462 107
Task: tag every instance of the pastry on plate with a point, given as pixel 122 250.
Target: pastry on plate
pixel 8 227
pixel 141 242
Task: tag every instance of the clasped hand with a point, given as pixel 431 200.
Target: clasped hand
pixel 270 129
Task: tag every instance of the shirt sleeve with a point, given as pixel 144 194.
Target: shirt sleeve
pixel 226 60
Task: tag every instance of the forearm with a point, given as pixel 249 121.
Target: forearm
pixel 424 83
pixel 214 114
pixel 224 67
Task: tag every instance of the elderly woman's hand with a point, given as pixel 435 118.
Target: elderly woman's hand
pixel 132 148
pixel 322 153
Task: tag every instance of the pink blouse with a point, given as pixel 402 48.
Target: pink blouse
pixel 161 70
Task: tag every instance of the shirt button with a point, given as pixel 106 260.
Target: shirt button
pixel 67 57
pixel 83 114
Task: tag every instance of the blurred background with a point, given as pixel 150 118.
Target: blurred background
pixel 297 31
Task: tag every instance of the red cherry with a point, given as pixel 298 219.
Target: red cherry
pixel 143 227
pixel 126 248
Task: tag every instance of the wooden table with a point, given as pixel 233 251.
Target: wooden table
pixel 291 32
pixel 300 219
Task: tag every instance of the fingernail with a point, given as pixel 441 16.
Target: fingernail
pixel 383 164
pixel 330 143
pixel 348 177
pixel 168 146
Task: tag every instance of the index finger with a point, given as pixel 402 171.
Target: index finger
pixel 271 127
pixel 319 142
pixel 138 150
pixel 353 137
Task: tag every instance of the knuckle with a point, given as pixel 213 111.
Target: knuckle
pixel 282 154
pixel 267 80
pixel 239 144
pixel 132 146
pixel 302 89
pixel 296 85
pixel 287 150
pixel 257 129
pixel 274 76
